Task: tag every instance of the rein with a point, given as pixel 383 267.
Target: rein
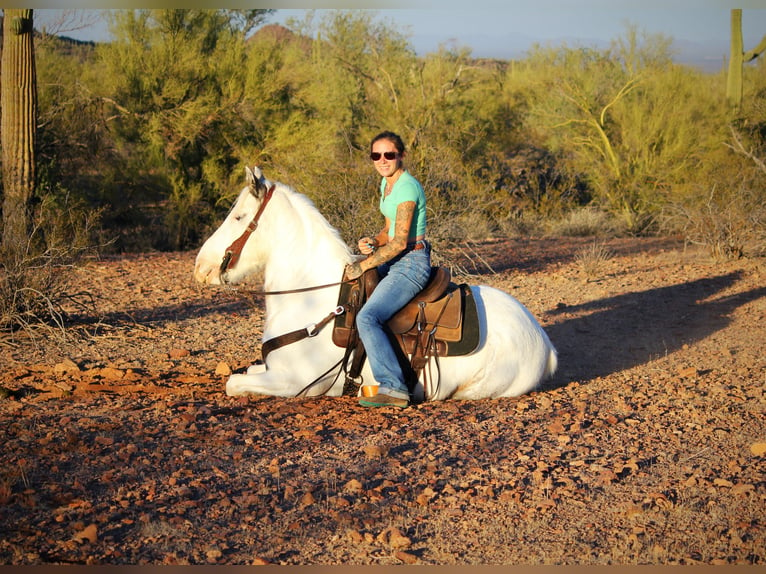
pixel 297 290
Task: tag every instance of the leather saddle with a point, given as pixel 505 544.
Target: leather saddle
pixel 441 320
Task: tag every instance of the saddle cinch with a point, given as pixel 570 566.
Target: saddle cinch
pixel 440 321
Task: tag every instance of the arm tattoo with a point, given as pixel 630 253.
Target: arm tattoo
pixel 404 214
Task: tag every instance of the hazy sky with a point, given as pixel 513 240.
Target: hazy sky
pixel 506 28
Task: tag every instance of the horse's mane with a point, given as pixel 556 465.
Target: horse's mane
pixel 312 218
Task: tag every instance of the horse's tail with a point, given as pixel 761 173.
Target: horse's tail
pixel 552 364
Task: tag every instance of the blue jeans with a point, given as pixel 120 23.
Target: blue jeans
pixel 402 279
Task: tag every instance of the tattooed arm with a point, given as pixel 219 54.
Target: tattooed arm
pixel 388 248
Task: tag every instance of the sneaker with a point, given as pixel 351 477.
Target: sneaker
pixel 387 397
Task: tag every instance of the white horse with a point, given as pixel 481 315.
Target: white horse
pixel 273 228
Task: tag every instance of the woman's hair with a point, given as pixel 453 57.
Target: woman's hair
pixel 392 137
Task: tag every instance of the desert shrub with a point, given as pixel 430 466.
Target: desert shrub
pixel 727 217
pixel 626 121
pixel 724 207
pixel 592 259
pixel 35 278
pixel 589 221
pixel 729 223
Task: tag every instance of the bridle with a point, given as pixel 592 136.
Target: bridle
pixel 233 251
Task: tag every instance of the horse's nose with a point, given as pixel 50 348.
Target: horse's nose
pixel 205 273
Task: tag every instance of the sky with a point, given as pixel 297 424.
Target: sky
pixel 700 29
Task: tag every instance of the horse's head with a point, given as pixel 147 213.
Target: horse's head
pixel 227 256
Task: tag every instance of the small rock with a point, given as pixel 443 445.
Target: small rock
pixel 178 353
pixel 223 369
pixel 89 533
pixel 374 451
pixel 66 366
pixel 688 372
pixel 213 554
pixel 112 374
pixel 306 500
pixel 406 557
pixel 394 538
pixel 353 486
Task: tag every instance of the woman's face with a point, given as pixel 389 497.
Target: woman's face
pixel 386 167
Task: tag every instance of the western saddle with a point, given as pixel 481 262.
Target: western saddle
pixel 440 321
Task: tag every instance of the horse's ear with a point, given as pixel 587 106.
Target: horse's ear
pixel 256 181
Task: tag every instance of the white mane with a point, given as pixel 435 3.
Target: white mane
pixel 293 222
pixel 318 227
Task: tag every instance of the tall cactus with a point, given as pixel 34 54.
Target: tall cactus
pixel 737 58
pixel 18 107
pixel 734 83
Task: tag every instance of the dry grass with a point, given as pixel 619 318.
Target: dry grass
pixel 584 222
pixel 592 259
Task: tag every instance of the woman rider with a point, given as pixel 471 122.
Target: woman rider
pixel 403 258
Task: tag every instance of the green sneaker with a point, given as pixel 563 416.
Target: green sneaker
pixel 387 398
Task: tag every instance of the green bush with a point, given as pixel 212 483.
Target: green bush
pixel 157 127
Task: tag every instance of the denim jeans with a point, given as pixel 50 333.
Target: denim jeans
pixel 402 279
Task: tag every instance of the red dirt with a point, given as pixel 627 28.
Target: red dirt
pixel 647 447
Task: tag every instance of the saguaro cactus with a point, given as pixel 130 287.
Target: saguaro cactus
pixel 737 58
pixel 18 107
pixel 734 83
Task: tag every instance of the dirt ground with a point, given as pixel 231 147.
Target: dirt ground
pixel 647 447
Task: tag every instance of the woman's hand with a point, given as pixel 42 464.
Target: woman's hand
pixel 367 245
pixel 353 271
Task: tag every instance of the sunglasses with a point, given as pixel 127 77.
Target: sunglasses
pixel 389 155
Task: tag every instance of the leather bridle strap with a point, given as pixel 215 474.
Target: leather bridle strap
pixel 299 335
pixel 232 253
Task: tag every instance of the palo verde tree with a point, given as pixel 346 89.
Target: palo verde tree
pixel 174 79
pixel 596 107
pixel 359 75
pixel 18 101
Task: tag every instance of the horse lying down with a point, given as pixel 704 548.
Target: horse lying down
pixel 276 230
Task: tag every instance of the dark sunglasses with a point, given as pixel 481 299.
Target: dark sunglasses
pixel 389 155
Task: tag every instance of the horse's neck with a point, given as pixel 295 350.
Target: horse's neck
pixel 305 250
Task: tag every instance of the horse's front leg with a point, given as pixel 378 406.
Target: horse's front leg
pixel 281 383
pixel 260 382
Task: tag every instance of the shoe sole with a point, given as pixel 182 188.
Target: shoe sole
pixel 398 403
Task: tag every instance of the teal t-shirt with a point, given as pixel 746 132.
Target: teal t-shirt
pixel 406 188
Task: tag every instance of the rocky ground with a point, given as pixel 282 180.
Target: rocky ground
pixel 647 447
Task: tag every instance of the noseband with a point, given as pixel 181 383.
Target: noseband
pixel 232 253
